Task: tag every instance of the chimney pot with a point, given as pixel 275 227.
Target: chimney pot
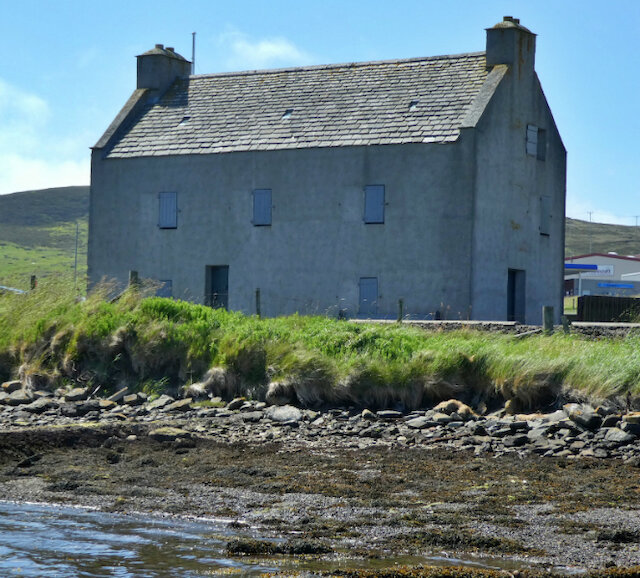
pixel 508 42
pixel 159 67
pixel 170 49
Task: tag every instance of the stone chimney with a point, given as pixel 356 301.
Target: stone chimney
pixel 159 67
pixel 508 42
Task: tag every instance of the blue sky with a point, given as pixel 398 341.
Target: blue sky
pixel 68 66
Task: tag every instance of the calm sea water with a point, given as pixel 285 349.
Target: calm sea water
pixel 44 540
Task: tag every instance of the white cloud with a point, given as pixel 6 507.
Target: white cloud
pixel 20 173
pixel 248 54
pixel 31 157
pixel 579 209
pixel 22 116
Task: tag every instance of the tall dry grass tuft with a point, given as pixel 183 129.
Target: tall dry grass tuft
pixel 163 344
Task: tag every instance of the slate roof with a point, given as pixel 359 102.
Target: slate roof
pixel 421 100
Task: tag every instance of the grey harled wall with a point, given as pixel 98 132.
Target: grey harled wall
pixel 312 256
pixel 509 184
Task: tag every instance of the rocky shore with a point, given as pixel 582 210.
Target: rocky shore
pixel 344 487
pixel 577 430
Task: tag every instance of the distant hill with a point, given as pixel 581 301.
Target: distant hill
pixel 38 234
pixel 582 237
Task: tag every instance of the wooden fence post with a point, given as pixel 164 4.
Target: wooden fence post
pixel 547 319
pixel 134 280
pixel 258 312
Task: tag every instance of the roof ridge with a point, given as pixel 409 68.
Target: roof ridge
pixel 314 67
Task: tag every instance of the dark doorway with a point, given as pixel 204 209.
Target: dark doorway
pixel 516 296
pixel 216 289
pixel 368 299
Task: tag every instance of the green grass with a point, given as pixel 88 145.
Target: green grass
pixel 162 344
pixel 38 234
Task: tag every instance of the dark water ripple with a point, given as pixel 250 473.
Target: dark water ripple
pixel 49 541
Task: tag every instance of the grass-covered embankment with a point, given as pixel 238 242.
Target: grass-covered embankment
pixel 157 345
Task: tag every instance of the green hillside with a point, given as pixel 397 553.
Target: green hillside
pixel 582 237
pixel 38 233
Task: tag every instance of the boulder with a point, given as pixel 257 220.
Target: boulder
pixel 632 417
pixel 616 435
pixel 107 404
pixel 584 415
pixel 236 403
pixel 368 415
pixel 84 407
pixel 389 414
pixel 179 405
pixel 630 428
pixel 11 386
pixel 419 422
pixel 133 399
pixel 515 441
pixel 441 418
pixel 40 405
pixel 77 394
pixel 161 402
pixel 283 413
pixel 169 434
pixel 610 420
pixel 251 416
pixel 19 397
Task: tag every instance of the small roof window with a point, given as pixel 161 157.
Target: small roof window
pixel 413 105
pixel 287 114
pixel 185 120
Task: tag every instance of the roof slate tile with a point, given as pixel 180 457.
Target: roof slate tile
pixel 335 105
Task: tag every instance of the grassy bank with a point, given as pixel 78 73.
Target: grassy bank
pixel 160 345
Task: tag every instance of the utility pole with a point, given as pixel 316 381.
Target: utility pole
pixel 590 233
pixel 75 260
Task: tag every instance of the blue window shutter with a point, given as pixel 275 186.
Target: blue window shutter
pixel 262 207
pixel 532 140
pixel 374 204
pixel 168 211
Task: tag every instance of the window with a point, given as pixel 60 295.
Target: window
pixel 545 215
pixel 374 204
pixel 536 142
pixel 168 211
pixel 261 207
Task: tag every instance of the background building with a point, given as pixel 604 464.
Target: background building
pixel 602 274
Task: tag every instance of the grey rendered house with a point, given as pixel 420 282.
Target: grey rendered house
pixel 339 189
